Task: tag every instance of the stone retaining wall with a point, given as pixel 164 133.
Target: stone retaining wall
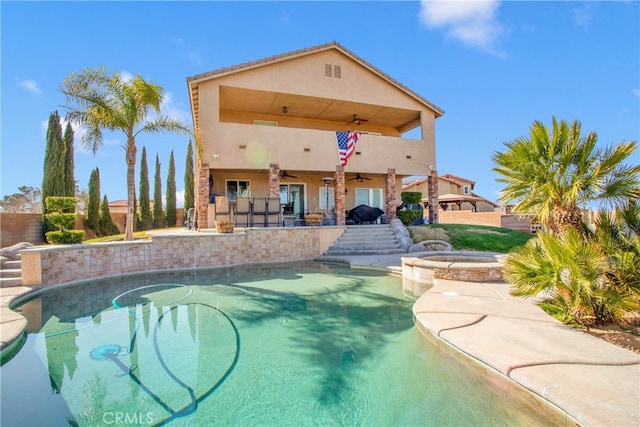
pixel 61 264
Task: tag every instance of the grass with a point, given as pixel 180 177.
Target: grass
pixel 139 235
pixel 471 237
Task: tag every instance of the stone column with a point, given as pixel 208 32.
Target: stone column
pixel 274 180
pixel 202 195
pixel 339 185
pixel 432 188
pixel 390 203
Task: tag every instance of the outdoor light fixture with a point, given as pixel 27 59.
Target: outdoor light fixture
pixel 216 156
pixel 285 109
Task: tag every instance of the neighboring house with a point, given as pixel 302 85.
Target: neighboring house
pixel 454 193
pixel 268 129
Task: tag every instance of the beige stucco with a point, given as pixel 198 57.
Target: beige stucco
pixel 294 91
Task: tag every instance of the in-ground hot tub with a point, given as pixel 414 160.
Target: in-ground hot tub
pixel 419 272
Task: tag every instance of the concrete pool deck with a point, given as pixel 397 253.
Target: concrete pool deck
pixel 595 383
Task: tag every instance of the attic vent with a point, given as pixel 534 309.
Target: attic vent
pixel 332 71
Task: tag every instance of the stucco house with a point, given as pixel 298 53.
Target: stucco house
pixel 267 128
pixel 454 193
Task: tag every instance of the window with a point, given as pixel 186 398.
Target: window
pixel 373 197
pixel 465 190
pixel 237 189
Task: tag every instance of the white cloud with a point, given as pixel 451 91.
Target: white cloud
pixel 179 199
pixel 472 22
pixel 582 15
pixel 31 86
pixel 169 109
pixel 126 76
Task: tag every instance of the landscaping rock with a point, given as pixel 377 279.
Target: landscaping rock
pixel 12 252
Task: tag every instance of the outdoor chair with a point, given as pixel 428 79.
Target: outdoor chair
pixel 243 208
pixel 222 210
pixel 259 212
pixel 274 212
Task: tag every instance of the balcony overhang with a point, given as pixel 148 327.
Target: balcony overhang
pixel 325 110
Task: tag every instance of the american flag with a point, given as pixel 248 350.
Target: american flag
pixel 346 145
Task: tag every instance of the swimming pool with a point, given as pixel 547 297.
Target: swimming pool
pixel 289 344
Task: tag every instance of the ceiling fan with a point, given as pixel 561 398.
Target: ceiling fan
pixel 285 175
pixel 357 120
pixel 359 178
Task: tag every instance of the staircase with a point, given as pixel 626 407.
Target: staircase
pixel 10 274
pixel 366 240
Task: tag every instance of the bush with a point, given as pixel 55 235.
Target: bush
pixel 408 216
pixel 61 221
pixel 411 197
pixel 64 237
pixel 61 204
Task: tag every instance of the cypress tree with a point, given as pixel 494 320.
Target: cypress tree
pixel 145 208
pixel 69 179
pixel 93 206
pixel 158 215
pixel 107 226
pixel 171 192
pixel 52 179
pixel 189 180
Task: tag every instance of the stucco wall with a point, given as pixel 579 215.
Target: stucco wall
pixel 27 227
pixel 20 227
pixel 55 265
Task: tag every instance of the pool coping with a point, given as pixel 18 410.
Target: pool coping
pixel 589 380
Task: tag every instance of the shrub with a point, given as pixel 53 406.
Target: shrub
pixel 64 237
pixel 408 216
pixel 411 197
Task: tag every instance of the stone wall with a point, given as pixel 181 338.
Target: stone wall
pixel 55 265
pixel 493 219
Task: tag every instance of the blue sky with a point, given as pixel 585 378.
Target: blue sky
pixel 493 67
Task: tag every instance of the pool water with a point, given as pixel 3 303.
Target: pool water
pixel 291 344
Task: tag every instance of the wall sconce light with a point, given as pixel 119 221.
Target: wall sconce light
pixel 346 191
pixel 358 153
pixel 216 156
pixel 408 157
pixel 285 109
pixel 306 150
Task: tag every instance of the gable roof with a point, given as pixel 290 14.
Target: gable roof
pixel 193 81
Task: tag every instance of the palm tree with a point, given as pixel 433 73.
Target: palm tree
pixel 112 103
pixel 551 176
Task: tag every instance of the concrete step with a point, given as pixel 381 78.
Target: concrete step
pixel 367 244
pixel 10 272
pixel 10 282
pixel 376 251
pixel 12 264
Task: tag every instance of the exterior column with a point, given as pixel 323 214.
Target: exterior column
pixel 390 203
pixel 432 188
pixel 339 185
pixel 274 180
pixel 202 195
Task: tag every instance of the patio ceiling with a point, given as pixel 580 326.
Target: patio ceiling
pixel 324 109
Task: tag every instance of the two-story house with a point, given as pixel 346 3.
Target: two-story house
pixel 267 128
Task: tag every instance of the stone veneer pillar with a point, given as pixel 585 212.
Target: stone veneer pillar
pixel 432 188
pixel 390 194
pixel 274 180
pixel 340 196
pixel 202 195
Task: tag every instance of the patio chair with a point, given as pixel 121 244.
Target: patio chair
pixel 274 212
pixel 243 208
pixel 222 210
pixel 259 212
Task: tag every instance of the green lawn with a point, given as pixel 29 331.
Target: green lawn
pixel 471 237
